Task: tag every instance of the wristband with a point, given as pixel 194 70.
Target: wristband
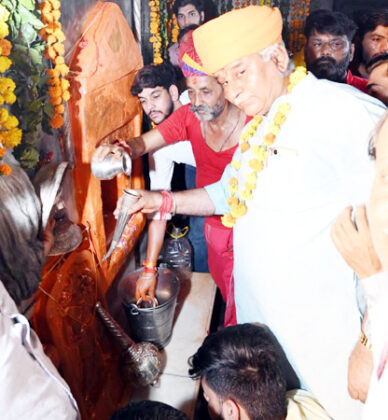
pixel 149 267
pixel 167 204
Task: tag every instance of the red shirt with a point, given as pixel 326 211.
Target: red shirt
pixel 358 82
pixel 184 125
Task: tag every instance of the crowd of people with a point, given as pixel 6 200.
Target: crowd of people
pixel 290 216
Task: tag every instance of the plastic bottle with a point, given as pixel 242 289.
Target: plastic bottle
pixel 177 251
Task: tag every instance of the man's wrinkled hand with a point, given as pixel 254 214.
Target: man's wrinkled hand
pixel 360 368
pixel 355 244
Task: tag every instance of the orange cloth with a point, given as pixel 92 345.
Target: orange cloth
pixel 237 34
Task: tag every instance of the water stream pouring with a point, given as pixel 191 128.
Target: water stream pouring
pixel 129 198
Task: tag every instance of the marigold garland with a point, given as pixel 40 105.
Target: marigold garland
pixel 53 35
pixel 10 135
pixel 239 196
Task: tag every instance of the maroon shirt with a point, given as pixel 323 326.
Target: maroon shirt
pixel 356 81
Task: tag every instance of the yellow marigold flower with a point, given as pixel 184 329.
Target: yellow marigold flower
pixel 236 164
pixel 12 137
pixel 232 189
pixel 231 200
pixel 5 170
pixel 1 99
pixel 59 109
pixel 284 108
pixel 65 84
pixel 55 91
pixel 56 4
pixel 4 13
pixel 4 30
pixel 274 129
pixel 57 121
pixel 244 146
pixel 3 116
pixel 50 53
pixel 59 48
pixel 11 122
pixel 55 100
pixel 66 95
pixel 259 152
pixel 256 165
pixel 158 60
pixel 269 139
pixel 238 210
pixel 58 33
pixel 45 6
pixel 5 64
pixel 279 118
pixel 6 47
pixel 50 39
pixel 3 151
pixel 228 220
pixel 7 84
pixel 250 186
pixel 251 178
pixel 63 69
pixel 246 195
pixel 9 97
pixel 233 181
pixel 297 75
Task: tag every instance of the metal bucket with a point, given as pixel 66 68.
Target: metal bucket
pixel 152 324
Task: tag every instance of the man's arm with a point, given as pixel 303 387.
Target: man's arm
pixel 138 146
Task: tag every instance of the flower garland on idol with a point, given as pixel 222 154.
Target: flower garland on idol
pixel 240 194
pixel 10 135
pixel 53 35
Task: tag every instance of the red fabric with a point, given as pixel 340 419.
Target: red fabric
pixel 181 125
pixel 358 82
pixel 220 260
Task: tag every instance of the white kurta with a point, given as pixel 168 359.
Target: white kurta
pixel 287 271
pixel 30 386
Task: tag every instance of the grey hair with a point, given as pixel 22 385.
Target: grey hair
pixel 272 51
pixel 21 249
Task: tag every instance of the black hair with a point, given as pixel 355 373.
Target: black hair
pixel 368 20
pixel 149 410
pixel 241 363
pixel 184 31
pixel 376 61
pixel 198 4
pixel 154 75
pixel 328 22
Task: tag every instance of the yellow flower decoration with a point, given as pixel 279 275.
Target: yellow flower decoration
pixel 11 122
pixel 259 153
pixel 4 30
pixel 236 164
pixel 228 220
pixel 5 64
pixel 12 137
pixel 4 14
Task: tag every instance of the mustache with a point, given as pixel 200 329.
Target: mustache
pixel 203 108
pixel 321 60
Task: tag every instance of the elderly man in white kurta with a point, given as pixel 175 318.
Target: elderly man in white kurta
pixel 301 160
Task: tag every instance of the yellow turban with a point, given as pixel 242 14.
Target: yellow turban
pixel 237 34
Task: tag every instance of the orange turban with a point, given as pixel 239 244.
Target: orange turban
pixel 237 34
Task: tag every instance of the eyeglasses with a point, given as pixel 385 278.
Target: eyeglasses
pixel 332 45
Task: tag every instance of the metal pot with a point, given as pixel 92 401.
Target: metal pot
pixel 152 324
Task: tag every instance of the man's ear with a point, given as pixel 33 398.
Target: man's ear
pixel 174 93
pixel 202 17
pixel 351 50
pixel 230 410
pixel 281 58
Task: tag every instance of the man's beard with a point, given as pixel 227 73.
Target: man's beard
pixel 328 68
pixel 165 115
pixel 210 113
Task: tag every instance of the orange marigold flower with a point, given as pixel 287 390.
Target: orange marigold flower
pixel 55 100
pixel 50 53
pixel 55 91
pixel 45 6
pixel 66 95
pixel 6 47
pixel 244 146
pixel 238 210
pixel 54 81
pixel 56 121
pixel 53 72
pixel 269 139
pixel 59 109
pixel 56 4
pixel 5 170
pixel 3 151
pixel 51 39
pixel 232 201
pixel 228 220
pixel 233 181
